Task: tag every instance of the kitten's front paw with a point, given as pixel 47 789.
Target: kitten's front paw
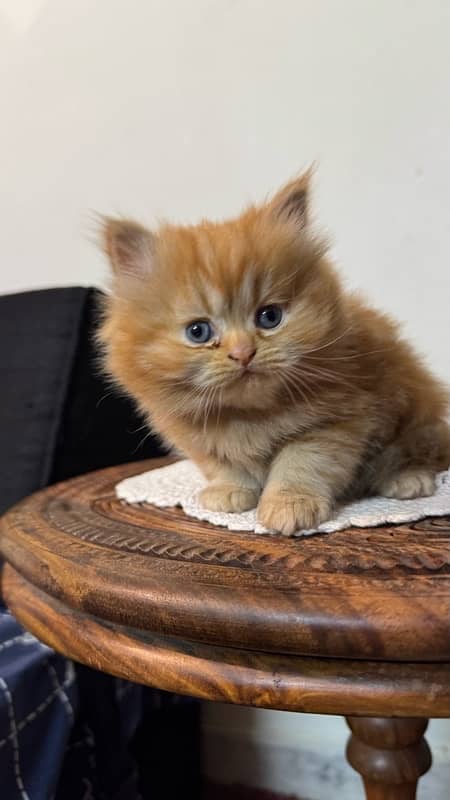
pixel 286 511
pixel 228 497
pixel 409 484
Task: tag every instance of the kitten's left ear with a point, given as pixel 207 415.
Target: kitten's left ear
pixel 291 203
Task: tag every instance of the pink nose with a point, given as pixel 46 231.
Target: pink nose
pixel 243 354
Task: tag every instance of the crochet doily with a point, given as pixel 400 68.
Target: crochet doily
pixel 179 484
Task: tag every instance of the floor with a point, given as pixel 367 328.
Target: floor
pixel 214 791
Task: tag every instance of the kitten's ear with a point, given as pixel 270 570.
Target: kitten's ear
pixel 291 203
pixel 129 246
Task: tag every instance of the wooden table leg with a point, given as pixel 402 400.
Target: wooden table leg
pixel 389 754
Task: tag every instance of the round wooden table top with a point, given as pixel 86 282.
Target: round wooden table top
pixel 340 622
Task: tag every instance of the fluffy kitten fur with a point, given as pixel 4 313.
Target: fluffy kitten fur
pixel 334 403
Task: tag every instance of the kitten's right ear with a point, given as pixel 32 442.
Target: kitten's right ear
pixel 129 246
pixel 290 204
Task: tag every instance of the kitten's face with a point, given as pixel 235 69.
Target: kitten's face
pixel 219 314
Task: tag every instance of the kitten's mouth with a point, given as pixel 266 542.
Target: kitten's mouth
pixel 246 374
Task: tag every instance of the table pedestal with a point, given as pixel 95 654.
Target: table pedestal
pixel 389 754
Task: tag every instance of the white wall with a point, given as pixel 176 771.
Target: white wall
pixel 191 107
pixel 293 754
pixel 185 108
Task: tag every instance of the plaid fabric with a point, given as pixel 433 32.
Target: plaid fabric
pixel 53 745
pixel 38 701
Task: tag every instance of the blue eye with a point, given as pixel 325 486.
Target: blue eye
pixel 199 331
pixel 269 317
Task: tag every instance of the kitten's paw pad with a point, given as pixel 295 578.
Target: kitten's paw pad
pixel 409 484
pixel 228 497
pixel 287 512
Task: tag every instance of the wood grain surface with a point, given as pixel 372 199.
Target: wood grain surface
pixel 354 622
pixel 371 594
pixel 230 675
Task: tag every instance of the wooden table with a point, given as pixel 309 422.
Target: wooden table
pixel 353 623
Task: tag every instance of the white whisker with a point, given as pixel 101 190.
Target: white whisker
pixel 352 356
pixel 302 387
pixel 327 376
pixel 139 445
pixel 328 344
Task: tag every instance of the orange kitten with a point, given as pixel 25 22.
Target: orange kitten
pixel 241 346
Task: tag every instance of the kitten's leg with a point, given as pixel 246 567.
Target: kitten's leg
pixel 309 474
pixel 407 468
pixel 231 488
pixel 409 483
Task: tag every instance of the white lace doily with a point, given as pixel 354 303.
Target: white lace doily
pixel 179 484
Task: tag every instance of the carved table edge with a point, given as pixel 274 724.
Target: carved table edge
pixel 226 674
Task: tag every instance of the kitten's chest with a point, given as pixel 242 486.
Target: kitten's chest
pixel 247 441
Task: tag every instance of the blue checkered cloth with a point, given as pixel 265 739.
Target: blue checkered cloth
pixel 38 701
pixel 50 746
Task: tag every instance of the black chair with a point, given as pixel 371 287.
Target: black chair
pixel 68 732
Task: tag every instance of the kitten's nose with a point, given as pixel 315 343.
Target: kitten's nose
pixel 242 353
